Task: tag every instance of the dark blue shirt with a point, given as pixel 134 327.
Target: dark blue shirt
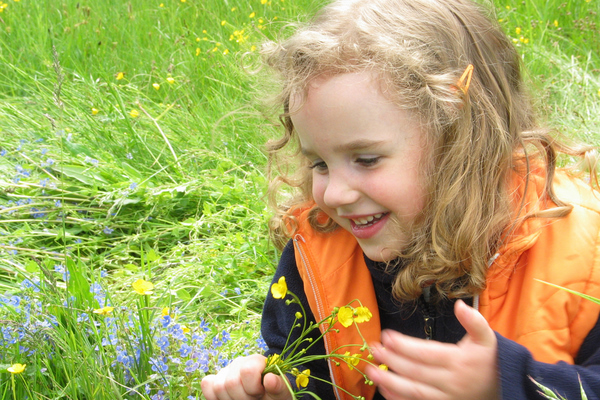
pixel 421 318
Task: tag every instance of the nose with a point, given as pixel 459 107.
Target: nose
pixel 340 191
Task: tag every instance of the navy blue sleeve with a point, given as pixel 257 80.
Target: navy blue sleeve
pixel 517 366
pixel 279 318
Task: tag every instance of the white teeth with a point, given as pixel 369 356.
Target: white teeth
pixel 366 220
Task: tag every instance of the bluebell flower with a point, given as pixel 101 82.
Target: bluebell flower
pixel 61 269
pixel 226 336
pixel 158 364
pixel 83 317
pixel 191 366
pixel 204 325
pixel 216 343
pixel 165 320
pixel 262 345
pixel 163 343
pixel 31 284
pixel 185 350
pixel 92 161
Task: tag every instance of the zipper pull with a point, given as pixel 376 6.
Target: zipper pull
pixel 428 317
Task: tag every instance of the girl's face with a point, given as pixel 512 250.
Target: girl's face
pixel 365 154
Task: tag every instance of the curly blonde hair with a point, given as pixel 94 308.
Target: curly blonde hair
pixel 419 49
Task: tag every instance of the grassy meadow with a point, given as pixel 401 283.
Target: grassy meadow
pixel 134 251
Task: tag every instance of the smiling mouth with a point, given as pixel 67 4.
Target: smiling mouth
pixel 368 221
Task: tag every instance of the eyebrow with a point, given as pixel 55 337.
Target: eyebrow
pixel 350 146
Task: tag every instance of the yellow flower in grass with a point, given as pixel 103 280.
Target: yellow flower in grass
pixel 120 75
pixel 171 80
pixel 362 314
pixel 16 368
pixel 95 111
pixel 134 113
pixel 142 287
pixel 104 310
pixel 165 311
pixel 156 86
pixel 252 15
pixel 345 316
pixel 263 1
pixel 302 378
pixel 279 289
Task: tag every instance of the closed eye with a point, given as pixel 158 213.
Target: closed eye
pixel 319 166
pixel 367 161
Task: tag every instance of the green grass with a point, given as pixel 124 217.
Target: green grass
pixel 174 191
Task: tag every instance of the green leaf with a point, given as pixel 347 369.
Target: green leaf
pixel 83 174
pixel 183 295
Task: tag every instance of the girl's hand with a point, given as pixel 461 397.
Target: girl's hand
pixel 423 369
pixel 242 380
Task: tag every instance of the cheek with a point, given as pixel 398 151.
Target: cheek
pixel 319 185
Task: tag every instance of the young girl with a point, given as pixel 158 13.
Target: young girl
pixel 427 191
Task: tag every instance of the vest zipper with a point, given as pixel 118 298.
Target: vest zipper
pixel 428 313
pixel 298 245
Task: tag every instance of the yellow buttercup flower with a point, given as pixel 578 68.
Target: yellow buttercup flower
pixel 171 80
pixel 134 113
pixel 95 111
pixel 198 51
pixel 120 75
pixel 345 316
pixel 252 15
pixel 383 367
pixel 156 86
pixel 279 289
pixel 302 378
pixel 142 287
pixel 556 23
pixel 362 314
pixel 273 359
pixel 353 360
pixel 223 23
pixel 16 368
pixel 518 30
pixel 165 311
pixel 104 310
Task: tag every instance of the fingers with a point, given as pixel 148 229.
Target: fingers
pixel 394 385
pixel 478 329
pixel 276 388
pixel 240 380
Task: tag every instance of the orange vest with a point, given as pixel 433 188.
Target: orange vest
pixel 550 322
